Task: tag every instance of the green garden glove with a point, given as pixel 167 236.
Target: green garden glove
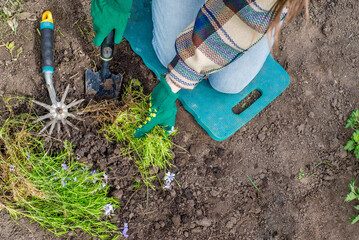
pixel 108 15
pixel 162 110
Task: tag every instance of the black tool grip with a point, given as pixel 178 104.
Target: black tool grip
pixel 47 45
pixel 107 46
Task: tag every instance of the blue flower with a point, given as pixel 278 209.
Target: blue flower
pixel 168 185
pixel 93 172
pixel 125 230
pixel 108 209
pixel 63 182
pixel 64 166
pixel 169 177
pixel 75 179
pixel 105 176
pixel 12 168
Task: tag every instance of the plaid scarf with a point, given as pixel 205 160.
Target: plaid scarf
pixel 221 33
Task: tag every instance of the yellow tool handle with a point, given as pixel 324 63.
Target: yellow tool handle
pixel 47 17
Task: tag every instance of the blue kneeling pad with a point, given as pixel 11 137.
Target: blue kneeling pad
pixel 211 109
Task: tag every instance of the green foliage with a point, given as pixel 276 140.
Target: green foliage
pixel 9 25
pixel 353 143
pixel 353 120
pixel 301 174
pixel 353 195
pixel 50 188
pixel 152 152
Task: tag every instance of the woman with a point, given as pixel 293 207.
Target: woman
pixel 225 41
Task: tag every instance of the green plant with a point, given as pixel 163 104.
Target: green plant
pixel 301 174
pixel 152 152
pixel 50 188
pixel 353 143
pixel 254 185
pixel 353 195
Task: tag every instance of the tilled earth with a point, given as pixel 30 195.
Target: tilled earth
pixel 302 130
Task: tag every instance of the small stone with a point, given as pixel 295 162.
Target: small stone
pixel 176 220
pixel 199 212
pixel 311 115
pixel 117 151
pixel 186 234
pixel 205 222
pixel 197 230
pixel 261 137
pixel 300 128
pixel 231 223
pixel 329 178
pixel 117 194
pixel 214 193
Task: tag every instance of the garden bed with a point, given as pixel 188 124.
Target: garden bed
pixel 293 151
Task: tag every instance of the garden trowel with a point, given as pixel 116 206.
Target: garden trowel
pixel 103 83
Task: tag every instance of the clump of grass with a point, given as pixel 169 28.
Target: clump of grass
pixel 153 152
pixel 50 188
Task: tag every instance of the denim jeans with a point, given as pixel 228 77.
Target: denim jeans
pixel 171 17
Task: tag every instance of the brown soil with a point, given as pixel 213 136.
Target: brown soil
pixel 303 127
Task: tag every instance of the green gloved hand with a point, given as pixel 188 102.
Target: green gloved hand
pixel 108 15
pixel 162 110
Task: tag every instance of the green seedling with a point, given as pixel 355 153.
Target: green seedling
pixel 353 195
pixel 330 165
pixel 253 183
pixel 301 174
pixel 10 46
pixel 136 185
pixel 353 143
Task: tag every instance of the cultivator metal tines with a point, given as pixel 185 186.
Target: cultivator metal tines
pixel 58 112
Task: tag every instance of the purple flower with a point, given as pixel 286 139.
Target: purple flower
pixel 75 179
pixel 108 209
pixel 125 230
pixel 93 172
pixel 63 182
pixel 103 184
pixel 105 176
pixel 12 168
pixel 169 177
pixel 64 166
pixel 78 157
pixel 28 156
pixel 168 185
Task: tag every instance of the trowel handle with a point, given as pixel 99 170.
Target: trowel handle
pixel 47 42
pixel 107 47
pixel 106 54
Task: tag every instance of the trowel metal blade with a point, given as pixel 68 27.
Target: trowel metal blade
pixel 108 88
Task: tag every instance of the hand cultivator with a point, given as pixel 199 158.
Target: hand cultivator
pixel 58 110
